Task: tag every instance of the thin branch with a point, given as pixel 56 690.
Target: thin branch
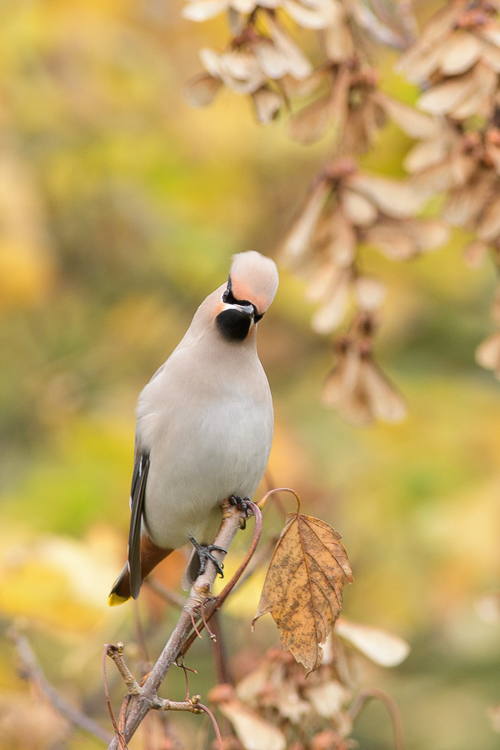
pixel 270 483
pixel 32 671
pixel 116 653
pixel 222 670
pixel 177 600
pixel 148 699
pixel 397 723
pixel 116 726
pixel 215 725
pixel 218 601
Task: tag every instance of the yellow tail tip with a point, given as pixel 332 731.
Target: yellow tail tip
pixel 114 600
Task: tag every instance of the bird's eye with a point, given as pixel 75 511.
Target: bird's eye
pixel 229 298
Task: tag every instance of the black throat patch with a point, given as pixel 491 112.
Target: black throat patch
pixel 234 325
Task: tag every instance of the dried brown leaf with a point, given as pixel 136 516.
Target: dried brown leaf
pixel 303 587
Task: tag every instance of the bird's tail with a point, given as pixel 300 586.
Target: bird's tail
pixel 151 555
pixel 120 592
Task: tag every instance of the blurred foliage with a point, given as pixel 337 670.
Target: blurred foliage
pixel 119 210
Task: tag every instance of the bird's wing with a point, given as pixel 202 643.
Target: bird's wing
pixel 137 495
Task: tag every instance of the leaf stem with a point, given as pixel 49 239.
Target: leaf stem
pixel 261 503
pixel 369 694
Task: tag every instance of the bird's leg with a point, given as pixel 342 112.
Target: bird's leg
pixel 204 552
pixel 242 504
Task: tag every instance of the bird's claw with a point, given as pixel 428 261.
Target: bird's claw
pixel 242 503
pixel 204 552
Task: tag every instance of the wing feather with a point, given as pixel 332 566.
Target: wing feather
pixel 137 495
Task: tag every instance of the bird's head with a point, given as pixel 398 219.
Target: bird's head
pixel 250 289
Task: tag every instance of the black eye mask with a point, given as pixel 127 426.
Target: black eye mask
pixel 229 298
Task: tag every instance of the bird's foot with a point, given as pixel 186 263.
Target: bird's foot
pixel 204 552
pixel 242 504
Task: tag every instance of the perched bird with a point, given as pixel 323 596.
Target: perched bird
pixel 204 427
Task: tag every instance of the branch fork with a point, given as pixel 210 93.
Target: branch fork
pixel 143 698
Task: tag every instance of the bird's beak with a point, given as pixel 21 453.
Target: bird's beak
pixel 247 309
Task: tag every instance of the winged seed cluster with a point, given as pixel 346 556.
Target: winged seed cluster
pixel 456 61
pixel 345 209
pixel 276 707
pixel 279 708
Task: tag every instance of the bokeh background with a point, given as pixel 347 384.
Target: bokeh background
pixel 119 210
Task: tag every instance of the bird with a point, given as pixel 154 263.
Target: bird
pixel 204 428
